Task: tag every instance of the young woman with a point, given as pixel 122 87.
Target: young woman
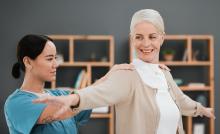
pixel 36 55
pixel 147 100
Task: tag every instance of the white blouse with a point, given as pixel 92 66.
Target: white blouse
pixel 152 75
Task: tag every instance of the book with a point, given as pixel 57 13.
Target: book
pixel 101 110
pixel 202 99
pixel 195 55
pixel 84 80
pixel 79 79
pixel 185 55
pixel 199 128
pixel 196 84
pixel 178 81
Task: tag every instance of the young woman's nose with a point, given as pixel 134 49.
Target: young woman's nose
pixel 55 64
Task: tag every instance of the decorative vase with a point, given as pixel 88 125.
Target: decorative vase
pixel 168 57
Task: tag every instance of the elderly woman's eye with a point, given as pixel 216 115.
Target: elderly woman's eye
pixel 139 37
pixel 153 37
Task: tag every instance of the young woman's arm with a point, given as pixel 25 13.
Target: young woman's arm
pixel 49 113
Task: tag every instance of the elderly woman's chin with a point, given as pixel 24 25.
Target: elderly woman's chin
pixel 148 59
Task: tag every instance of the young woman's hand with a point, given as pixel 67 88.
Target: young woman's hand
pixel 162 66
pixel 115 68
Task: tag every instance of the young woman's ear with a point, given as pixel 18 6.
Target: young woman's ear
pixel 27 63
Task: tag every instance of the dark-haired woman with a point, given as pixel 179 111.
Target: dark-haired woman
pixel 36 55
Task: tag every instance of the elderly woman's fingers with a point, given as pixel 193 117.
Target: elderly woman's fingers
pixel 49 100
pixel 63 110
pixel 164 67
pixel 126 66
pixel 115 68
pixel 209 112
pixel 44 99
pixel 123 66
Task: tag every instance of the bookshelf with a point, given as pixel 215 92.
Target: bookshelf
pixel 193 62
pixel 90 55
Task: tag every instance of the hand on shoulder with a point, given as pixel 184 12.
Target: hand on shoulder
pixel 162 66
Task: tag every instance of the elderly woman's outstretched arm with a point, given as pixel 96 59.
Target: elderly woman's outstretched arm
pixel 114 87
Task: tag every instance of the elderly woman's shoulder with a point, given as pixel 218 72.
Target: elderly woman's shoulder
pixel 124 73
pixel 164 67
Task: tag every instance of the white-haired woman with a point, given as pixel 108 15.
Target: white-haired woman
pixel 146 100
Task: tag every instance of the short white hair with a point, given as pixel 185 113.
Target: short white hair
pixel 148 15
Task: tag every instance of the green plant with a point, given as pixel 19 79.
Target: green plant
pixel 168 51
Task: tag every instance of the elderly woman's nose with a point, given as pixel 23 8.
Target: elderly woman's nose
pixel 146 42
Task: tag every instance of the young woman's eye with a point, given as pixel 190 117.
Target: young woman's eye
pixel 50 59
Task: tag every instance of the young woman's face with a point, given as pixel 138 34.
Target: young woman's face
pixel 147 40
pixel 45 65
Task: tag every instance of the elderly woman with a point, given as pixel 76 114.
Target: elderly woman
pixel 146 100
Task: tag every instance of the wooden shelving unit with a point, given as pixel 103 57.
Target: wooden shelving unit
pixel 87 42
pixel 188 44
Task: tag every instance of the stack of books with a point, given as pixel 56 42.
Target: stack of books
pixel 81 80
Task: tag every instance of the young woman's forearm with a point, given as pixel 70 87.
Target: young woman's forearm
pixel 50 113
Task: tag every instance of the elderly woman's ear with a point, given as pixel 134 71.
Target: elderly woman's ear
pixel 162 39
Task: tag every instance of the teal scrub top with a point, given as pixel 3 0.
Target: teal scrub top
pixel 21 115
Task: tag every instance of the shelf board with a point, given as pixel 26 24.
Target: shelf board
pixel 101 115
pixel 93 37
pixel 195 88
pixel 101 64
pixel 176 37
pixel 186 63
pixel 201 37
pixel 185 37
pixel 81 37
pixel 61 37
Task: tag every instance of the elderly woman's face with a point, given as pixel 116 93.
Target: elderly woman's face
pixel 147 41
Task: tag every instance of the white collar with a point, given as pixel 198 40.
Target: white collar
pixel 150 73
pixel 139 64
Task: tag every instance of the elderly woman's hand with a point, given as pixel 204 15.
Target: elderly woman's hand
pixel 208 112
pixel 115 68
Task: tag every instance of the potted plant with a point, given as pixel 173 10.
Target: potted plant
pixel 168 54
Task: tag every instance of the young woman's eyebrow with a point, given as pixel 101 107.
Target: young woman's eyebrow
pixel 50 55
